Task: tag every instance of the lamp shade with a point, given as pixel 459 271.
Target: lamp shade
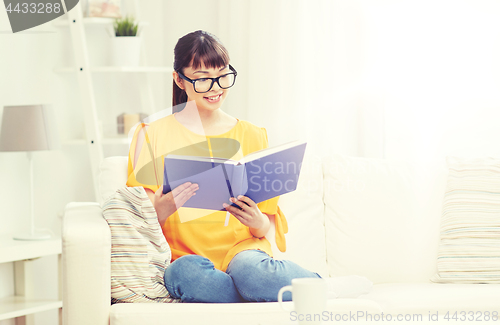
pixel 28 128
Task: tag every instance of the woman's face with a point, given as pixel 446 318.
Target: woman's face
pixel 210 100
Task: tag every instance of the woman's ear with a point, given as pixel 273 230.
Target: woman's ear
pixel 177 80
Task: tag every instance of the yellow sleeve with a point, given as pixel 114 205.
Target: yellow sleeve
pixel 143 169
pixel 271 207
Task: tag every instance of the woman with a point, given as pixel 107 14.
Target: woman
pixel 214 259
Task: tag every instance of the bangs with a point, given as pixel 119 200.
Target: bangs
pixel 209 52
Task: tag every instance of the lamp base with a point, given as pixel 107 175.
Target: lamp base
pixel 33 236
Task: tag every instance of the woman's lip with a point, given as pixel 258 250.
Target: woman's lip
pixel 214 95
pixel 214 100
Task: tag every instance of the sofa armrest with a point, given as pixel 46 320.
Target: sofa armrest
pixel 86 265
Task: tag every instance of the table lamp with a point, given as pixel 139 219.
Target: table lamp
pixel 29 128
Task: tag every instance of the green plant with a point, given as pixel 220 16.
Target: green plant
pixel 125 27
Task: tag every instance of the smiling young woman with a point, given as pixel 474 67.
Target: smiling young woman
pixel 213 259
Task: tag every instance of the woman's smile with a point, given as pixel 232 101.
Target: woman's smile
pixel 213 99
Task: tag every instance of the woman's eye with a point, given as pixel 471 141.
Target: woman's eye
pixel 202 79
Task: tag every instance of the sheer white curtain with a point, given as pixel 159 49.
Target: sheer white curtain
pixel 298 78
pixel 437 63
pixel 415 79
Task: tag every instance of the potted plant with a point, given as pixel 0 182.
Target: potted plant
pixel 126 42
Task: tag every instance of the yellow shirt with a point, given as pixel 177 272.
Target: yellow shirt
pixel 205 233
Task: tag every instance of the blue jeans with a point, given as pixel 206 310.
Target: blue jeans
pixel 252 275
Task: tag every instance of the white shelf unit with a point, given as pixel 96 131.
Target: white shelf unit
pixel 93 137
pixel 105 141
pixel 115 69
pixel 13 307
pixel 92 21
pixel 22 305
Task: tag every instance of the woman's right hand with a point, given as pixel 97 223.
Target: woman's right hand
pixel 166 204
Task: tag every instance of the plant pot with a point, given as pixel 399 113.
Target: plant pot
pixel 125 50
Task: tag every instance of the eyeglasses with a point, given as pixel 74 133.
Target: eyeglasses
pixel 204 85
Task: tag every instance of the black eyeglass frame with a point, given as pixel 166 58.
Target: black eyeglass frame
pixel 193 81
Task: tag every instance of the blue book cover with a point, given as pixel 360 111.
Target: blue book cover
pixel 261 175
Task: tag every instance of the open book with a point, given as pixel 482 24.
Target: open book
pixel 261 175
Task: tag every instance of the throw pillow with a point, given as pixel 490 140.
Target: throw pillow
pixel 379 217
pixel 139 251
pixel 469 250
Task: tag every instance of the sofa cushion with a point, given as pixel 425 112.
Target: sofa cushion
pixel 470 225
pixel 304 211
pixel 216 314
pixel 112 176
pixel 382 217
pixel 395 298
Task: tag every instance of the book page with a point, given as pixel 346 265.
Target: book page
pixel 264 152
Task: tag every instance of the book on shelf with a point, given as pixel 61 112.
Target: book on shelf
pixel 261 175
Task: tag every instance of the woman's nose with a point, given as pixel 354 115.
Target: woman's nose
pixel 215 86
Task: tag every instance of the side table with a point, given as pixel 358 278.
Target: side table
pixel 22 305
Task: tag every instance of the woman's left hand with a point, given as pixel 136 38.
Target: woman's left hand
pixel 249 215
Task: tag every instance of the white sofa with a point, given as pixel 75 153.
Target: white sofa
pixel 372 217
